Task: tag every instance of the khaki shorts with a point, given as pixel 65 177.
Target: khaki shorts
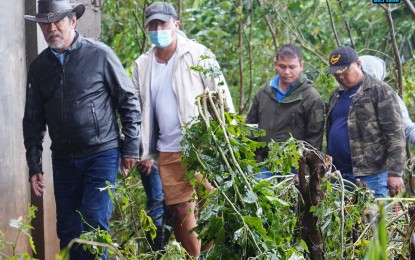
pixel 175 187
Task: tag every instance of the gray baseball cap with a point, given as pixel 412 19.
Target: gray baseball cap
pixel 160 11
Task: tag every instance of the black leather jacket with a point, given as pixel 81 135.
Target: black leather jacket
pixel 78 102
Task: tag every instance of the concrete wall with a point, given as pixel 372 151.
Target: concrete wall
pixel 14 185
pixel 20 42
pixel 47 242
pixel 90 23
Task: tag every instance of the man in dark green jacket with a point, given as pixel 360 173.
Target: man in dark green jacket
pixel 288 104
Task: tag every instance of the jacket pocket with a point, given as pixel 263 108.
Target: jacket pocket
pixel 95 118
pixel 365 110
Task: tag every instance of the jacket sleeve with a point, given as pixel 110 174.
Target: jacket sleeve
pixel 34 127
pixel 390 122
pixel 407 122
pixel 221 82
pixel 214 79
pixel 314 123
pixel 252 116
pixel 126 104
pixel 135 82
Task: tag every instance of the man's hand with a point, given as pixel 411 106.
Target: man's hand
pixel 37 183
pixel 395 185
pixel 126 164
pixel 145 166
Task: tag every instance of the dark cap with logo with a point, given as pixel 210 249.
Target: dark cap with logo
pixel 160 11
pixel 341 58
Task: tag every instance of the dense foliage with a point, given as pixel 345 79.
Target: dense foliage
pixel 23 227
pixel 250 217
pixel 259 219
pixel 244 35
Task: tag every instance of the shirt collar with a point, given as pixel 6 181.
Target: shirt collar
pixel 60 56
pixel 280 95
pixel 275 81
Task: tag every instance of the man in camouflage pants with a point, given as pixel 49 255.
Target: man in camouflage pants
pixel 365 133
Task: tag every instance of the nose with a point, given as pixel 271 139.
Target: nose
pixel 52 27
pixel 339 76
pixel 159 27
pixel 155 25
pixel 49 27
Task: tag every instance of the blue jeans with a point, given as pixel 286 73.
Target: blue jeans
pixel 376 182
pixel 154 191
pixel 77 184
pixel 265 173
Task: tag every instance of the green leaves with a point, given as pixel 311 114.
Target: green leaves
pixel 283 157
pixel 256 224
pixel 23 226
pixel 379 242
pixel 246 215
pixel 147 224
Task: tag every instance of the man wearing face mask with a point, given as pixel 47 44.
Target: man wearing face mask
pixel 167 88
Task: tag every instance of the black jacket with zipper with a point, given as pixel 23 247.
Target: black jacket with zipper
pixel 78 102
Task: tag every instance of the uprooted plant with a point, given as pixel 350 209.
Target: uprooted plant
pixel 312 213
pixel 249 217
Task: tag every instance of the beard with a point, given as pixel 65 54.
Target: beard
pixel 56 41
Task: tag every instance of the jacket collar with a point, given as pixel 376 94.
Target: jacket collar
pixel 367 83
pixel 76 43
pixel 295 92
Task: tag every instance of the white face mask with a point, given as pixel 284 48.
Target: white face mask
pixel 161 38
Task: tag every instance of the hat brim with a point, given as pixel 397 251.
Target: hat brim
pixel 162 17
pixel 79 9
pixel 338 69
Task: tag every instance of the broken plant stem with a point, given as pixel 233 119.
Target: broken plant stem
pixel 96 244
pixel 239 215
pixel 402 214
pixel 342 210
pixel 200 161
pixel 396 199
pixel 225 134
pixel 202 111
pixel 203 114
pixel 221 105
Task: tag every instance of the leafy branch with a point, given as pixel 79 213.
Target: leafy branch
pixel 23 227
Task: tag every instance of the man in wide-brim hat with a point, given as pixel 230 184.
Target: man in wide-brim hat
pixel 52 11
pixel 51 16
pixel 75 88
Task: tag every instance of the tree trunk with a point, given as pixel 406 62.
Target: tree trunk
pixel 317 164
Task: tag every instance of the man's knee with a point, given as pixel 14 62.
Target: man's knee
pixel 181 210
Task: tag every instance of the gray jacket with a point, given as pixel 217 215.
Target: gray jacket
pixel 376 67
pixel 187 85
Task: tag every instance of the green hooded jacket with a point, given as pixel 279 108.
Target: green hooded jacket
pixel 300 114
